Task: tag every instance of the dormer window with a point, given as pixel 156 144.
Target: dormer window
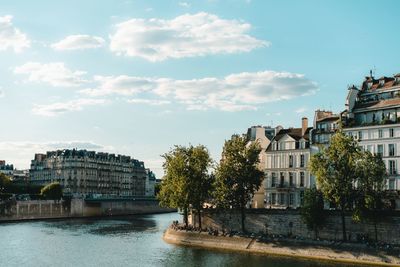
pixel 381 82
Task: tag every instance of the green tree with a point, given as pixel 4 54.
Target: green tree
pixel 312 210
pixel 237 175
pixel 52 191
pixel 187 181
pixel 335 171
pixel 371 179
pixel 5 182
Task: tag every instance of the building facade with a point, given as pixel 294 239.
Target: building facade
pixel 286 173
pixel 7 169
pixel 263 135
pixel 92 174
pixel 372 117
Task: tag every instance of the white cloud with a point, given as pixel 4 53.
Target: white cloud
pixel 301 110
pixel 55 109
pixel 184 4
pixel 21 153
pixel 184 36
pixel 78 42
pixel 151 102
pixel 11 37
pixel 55 74
pixel 235 92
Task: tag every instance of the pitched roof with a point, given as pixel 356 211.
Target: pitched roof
pixel 379 104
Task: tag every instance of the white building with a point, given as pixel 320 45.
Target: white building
pixel 286 171
pixel 373 117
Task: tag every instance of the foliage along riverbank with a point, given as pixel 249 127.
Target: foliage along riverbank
pixel 320 251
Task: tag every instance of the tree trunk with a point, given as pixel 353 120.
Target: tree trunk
pixel 199 215
pixel 185 216
pixel 343 224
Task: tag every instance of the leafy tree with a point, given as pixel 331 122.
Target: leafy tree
pixel 5 182
pixel 371 172
pixel 187 181
pixel 335 171
pixel 237 175
pixel 52 191
pixel 312 210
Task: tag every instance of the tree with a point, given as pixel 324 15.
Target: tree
pixel 371 179
pixel 52 191
pixel 312 210
pixel 187 181
pixel 237 175
pixel 335 171
pixel 5 182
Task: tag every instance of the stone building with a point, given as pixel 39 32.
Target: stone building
pixel 263 135
pixel 372 116
pixel 286 171
pixel 91 174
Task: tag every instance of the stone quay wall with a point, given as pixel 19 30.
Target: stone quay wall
pixel 50 209
pixel 289 223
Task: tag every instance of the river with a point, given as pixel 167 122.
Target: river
pixel 126 241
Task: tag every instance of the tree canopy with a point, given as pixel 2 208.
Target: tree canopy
pixel 237 175
pixel 335 171
pixel 187 181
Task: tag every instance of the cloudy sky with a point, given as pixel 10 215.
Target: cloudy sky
pixel 136 77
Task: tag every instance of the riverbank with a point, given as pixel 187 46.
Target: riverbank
pixel 344 253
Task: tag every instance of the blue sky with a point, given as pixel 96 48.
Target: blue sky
pixel 137 77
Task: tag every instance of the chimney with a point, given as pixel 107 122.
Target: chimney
pixel 304 125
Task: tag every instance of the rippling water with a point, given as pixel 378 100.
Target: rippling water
pixel 128 241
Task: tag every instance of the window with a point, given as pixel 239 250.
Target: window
pixel 282 180
pixel 360 135
pixel 290 161
pixel 380 133
pixel 273 179
pixel 291 199
pixel 392 167
pixel 391 150
pixel 391 132
pixel 291 182
pixel 380 150
pixel 273 198
pixel 301 160
pixel 301 197
pixel 302 179
pixel 281 198
pixel 391 184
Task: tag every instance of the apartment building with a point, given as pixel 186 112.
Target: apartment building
pixel 90 173
pixel 286 170
pixel 263 135
pixel 372 116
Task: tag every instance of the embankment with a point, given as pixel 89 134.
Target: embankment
pixel 343 253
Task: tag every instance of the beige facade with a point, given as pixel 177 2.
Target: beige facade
pixel 286 173
pixel 87 173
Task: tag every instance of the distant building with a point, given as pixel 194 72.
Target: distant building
pixel 87 173
pixel 263 135
pixel 286 170
pixel 150 183
pixel 7 169
pixel 372 116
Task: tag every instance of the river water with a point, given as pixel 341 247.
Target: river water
pixel 127 241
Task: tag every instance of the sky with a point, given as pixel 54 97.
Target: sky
pixel 137 77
